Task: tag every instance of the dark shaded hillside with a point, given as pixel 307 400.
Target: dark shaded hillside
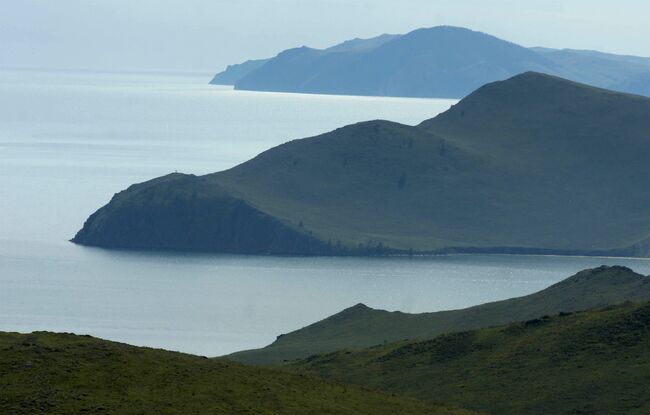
pixel 180 211
pixel 592 362
pixel 67 374
pixel 437 62
pixel 534 164
pixel 360 326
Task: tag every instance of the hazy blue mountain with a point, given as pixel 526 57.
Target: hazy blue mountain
pixel 533 164
pixel 617 72
pixel 234 73
pixel 441 61
pixel 361 45
pixel 636 84
pixel 594 54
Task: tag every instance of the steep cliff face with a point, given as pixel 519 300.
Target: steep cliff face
pixel 180 212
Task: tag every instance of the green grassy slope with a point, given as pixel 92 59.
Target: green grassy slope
pixel 593 362
pixel 66 374
pixel 367 183
pixel 360 326
pixel 580 151
pixel 532 164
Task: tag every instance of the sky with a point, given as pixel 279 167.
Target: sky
pixel 203 36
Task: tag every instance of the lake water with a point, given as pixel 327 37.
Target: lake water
pixel 69 141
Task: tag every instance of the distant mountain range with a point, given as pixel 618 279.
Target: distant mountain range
pixel 361 326
pixel 442 62
pixel 533 164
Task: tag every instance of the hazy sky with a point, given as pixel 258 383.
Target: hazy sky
pixel 205 35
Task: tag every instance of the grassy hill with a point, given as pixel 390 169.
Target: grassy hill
pixel 534 164
pixel 360 326
pixel 592 362
pixel 67 374
pixel 441 61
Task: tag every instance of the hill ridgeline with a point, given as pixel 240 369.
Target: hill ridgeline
pixel 360 326
pixel 533 164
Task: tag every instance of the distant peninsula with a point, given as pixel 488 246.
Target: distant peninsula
pixel 533 165
pixel 438 62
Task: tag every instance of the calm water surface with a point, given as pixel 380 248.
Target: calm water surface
pixel 68 141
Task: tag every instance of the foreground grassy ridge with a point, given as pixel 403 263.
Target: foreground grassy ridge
pixel 65 374
pixel 533 164
pixel 360 326
pixel 592 362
